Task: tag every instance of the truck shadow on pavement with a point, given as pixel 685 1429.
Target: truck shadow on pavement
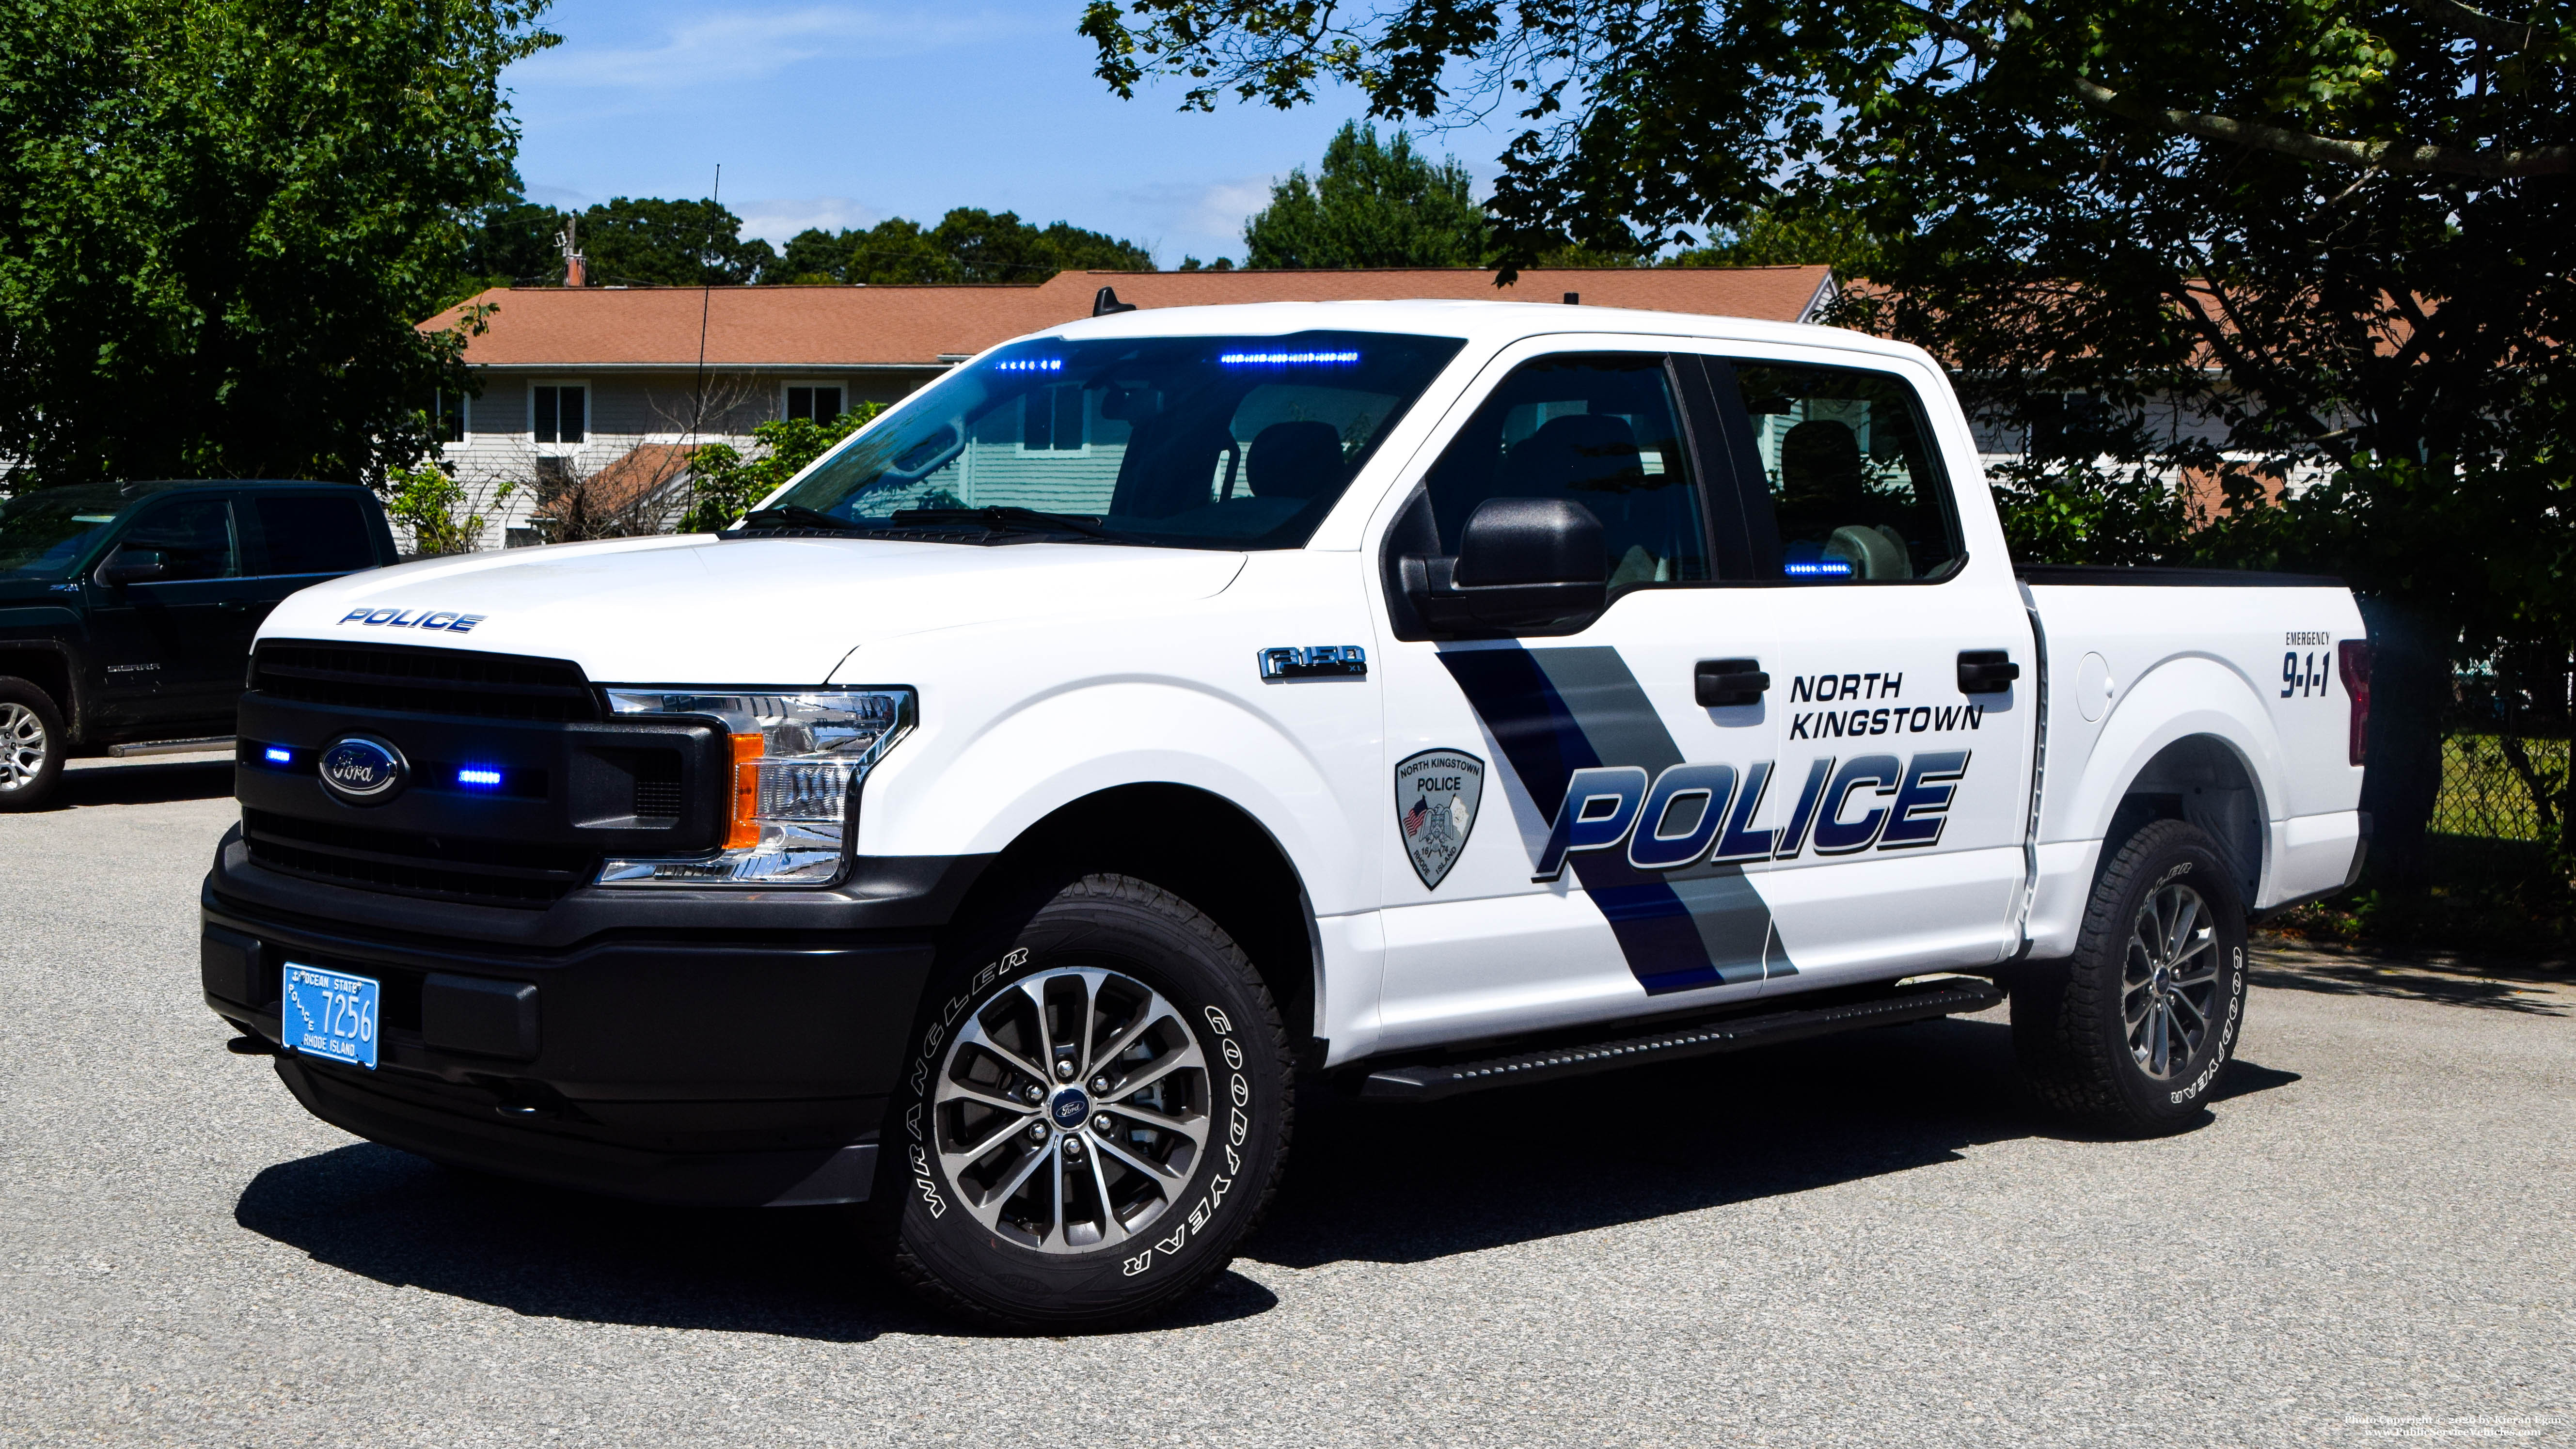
pixel 129 784
pixel 1365 1183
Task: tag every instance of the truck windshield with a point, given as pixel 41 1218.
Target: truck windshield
pixel 46 535
pixel 1181 442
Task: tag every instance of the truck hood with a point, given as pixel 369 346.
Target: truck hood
pixel 694 609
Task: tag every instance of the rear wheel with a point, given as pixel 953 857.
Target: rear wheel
pixel 1097 1111
pixel 2130 1035
pixel 31 746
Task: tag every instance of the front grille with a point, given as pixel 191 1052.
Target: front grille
pixel 378 677
pixel 487 872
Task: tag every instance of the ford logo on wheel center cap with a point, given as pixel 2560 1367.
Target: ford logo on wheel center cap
pixel 363 770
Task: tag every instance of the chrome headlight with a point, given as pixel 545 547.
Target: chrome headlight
pixel 791 802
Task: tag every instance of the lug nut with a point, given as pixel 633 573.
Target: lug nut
pixel 1034 1092
pixel 1064 1069
pixel 1103 1123
pixel 1073 1147
pixel 1037 1132
pixel 1099 1086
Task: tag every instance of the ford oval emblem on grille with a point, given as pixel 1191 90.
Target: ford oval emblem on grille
pixel 363 770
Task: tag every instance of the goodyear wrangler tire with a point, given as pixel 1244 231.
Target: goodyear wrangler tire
pixel 2130 1035
pixel 1095 1112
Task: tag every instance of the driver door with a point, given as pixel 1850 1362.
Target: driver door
pixel 1501 917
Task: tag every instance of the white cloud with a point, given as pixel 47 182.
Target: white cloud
pixel 561 198
pixel 777 220
pixel 744 44
pixel 1199 216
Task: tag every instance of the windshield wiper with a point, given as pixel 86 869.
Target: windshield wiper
pixel 1000 519
pixel 790 515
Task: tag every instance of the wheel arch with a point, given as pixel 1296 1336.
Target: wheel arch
pixel 49 668
pixel 1201 847
pixel 2190 740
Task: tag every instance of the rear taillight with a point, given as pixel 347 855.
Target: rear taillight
pixel 2354 657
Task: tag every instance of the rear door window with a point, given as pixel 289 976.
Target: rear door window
pixel 310 534
pixel 1850 473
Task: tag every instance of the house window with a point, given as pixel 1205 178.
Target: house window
pixel 817 402
pixel 447 417
pixel 1051 420
pixel 557 411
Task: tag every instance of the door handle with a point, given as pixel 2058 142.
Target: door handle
pixel 1729 681
pixel 1986 671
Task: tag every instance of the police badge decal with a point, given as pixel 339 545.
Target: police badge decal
pixel 1435 806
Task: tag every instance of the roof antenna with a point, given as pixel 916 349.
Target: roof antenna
pixel 706 293
pixel 1105 301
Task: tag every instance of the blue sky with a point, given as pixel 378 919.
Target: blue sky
pixel 829 114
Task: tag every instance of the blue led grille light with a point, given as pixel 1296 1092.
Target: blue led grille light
pixel 1286 359
pixel 1030 364
pixel 478 777
pixel 278 755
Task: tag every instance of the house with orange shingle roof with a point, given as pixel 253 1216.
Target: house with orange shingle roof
pixel 591 398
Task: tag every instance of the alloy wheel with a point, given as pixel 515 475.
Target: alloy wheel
pixel 1071 1109
pixel 2169 982
pixel 22 746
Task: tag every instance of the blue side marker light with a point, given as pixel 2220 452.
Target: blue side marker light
pixel 479 778
pixel 278 755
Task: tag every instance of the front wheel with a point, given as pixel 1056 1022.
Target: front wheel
pixel 2129 1035
pixel 31 746
pixel 1096 1112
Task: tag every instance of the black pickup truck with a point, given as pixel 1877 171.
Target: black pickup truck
pixel 127 610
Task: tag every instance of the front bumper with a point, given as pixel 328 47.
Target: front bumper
pixel 700 1047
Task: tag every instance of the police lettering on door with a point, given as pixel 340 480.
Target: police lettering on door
pixel 1702 813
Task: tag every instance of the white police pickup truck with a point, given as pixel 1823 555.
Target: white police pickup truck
pixel 1420 696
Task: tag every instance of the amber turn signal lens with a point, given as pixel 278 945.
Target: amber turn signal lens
pixel 742 831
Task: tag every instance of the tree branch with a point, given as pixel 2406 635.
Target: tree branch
pixel 2480 26
pixel 2383 155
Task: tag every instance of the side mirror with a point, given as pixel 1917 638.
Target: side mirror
pixel 132 566
pixel 1523 563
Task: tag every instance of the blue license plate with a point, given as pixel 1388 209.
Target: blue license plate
pixel 330 1014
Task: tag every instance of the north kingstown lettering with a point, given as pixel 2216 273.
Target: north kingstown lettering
pixel 1922 719
pixel 1825 688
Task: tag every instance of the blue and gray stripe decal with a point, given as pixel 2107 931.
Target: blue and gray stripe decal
pixel 1555 711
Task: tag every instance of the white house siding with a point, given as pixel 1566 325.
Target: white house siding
pixel 623 410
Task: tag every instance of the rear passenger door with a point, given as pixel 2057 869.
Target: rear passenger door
pixel 301 538
pixel 1904 798
pixel 1494 744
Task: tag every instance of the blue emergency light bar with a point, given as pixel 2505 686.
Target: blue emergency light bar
pixel 1286 359
pixel 1030 364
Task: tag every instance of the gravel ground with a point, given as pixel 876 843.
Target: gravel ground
pixel 1866 1240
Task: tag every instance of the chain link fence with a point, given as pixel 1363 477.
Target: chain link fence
pixel 2501 786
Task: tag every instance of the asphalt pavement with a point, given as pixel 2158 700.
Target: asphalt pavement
pixel 1864 1240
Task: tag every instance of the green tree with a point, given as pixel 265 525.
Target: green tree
pixel 433 505
pixel 723 484
pixel 645 241
pixel 219 223
pixel 512 243
pixel 968 245
pixel 2336 235
pixel 1371 204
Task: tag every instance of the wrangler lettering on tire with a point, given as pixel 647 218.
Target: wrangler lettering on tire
pixel 1094 1115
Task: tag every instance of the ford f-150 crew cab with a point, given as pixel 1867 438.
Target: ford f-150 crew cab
pixel 1153 713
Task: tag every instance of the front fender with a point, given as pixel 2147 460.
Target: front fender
pixel 962 792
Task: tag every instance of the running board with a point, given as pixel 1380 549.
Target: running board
pixel 170 747
pixel 1919 1001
